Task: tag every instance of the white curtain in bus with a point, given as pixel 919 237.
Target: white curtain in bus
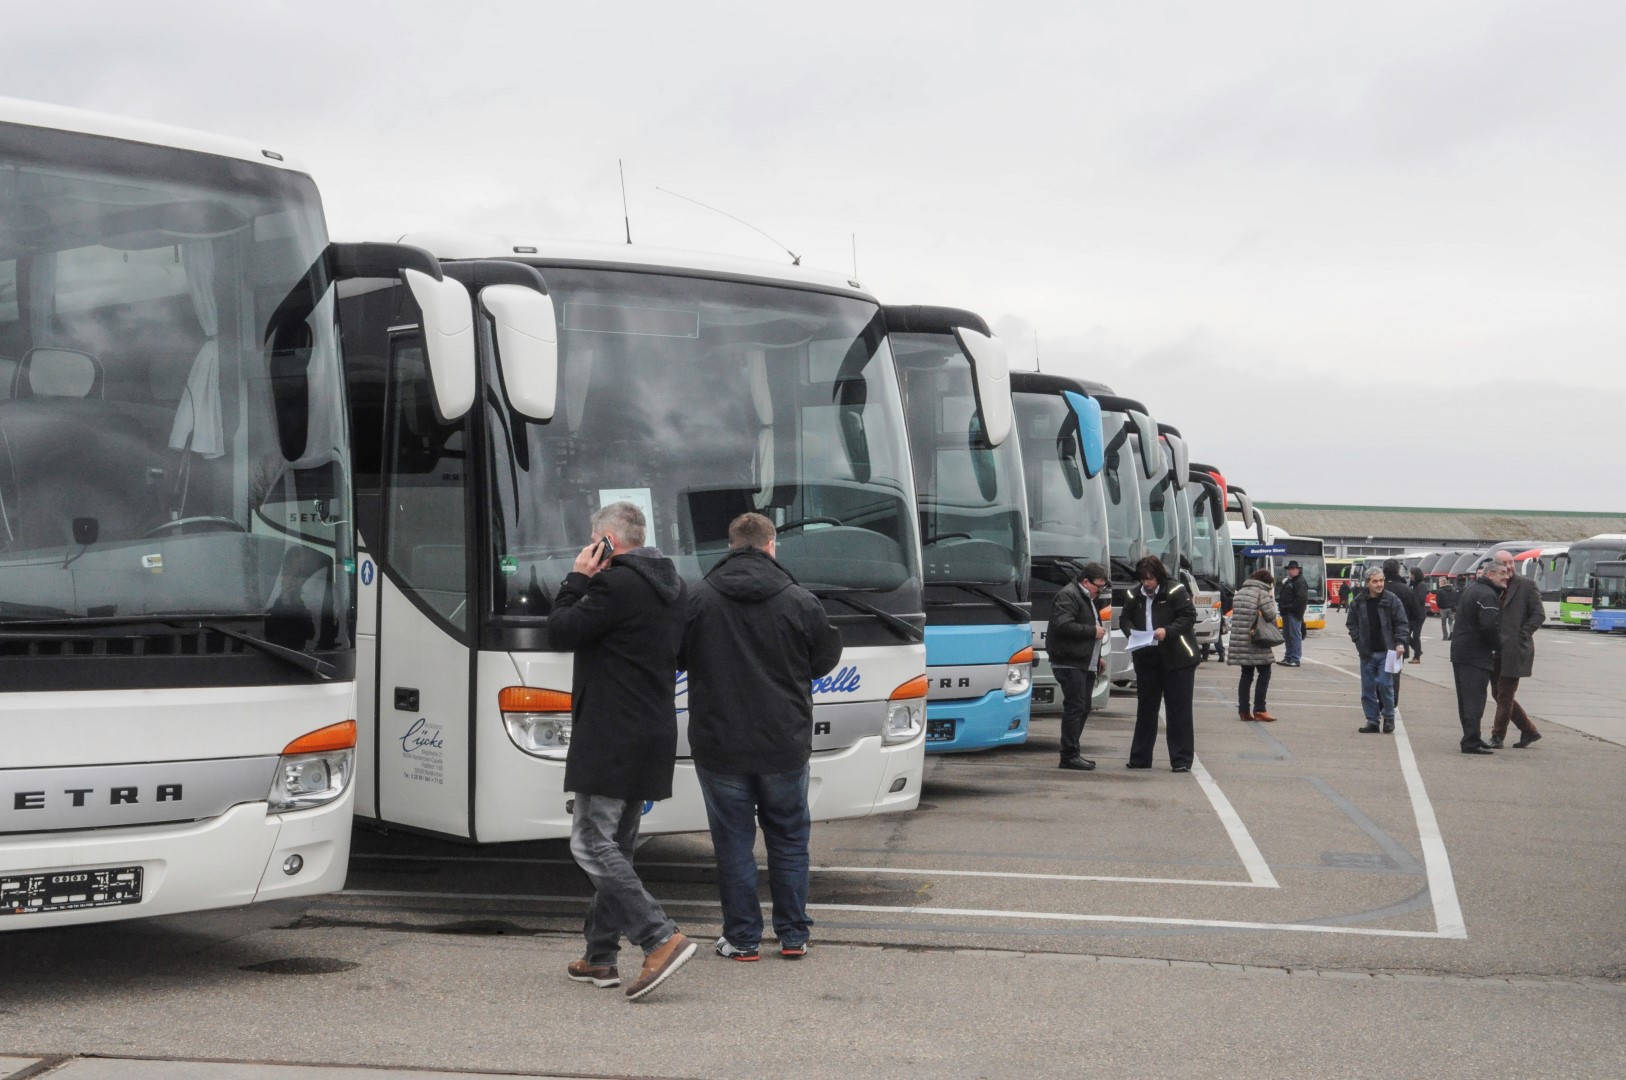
pixel 198 425
pixel 325 425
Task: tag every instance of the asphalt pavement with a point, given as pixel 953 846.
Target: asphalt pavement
pixel 1310 901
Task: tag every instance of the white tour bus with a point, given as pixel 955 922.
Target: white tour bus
pixel 696 387
pixel 176 562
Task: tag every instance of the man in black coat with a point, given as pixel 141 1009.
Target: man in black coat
pixel 1473 654
pixel 1160 619
pixel 754 642
pixel 1446 596
pixel 1074 640
pixel 1522 615
pixel 1293 600
pixel 620 611
pixel 1396 585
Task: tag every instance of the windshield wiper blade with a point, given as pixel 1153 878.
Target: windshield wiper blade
pixel 992 597
pixel 908 630
pixel 305 662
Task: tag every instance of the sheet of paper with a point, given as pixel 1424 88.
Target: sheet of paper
pixel 1139 639
pixel 1391 663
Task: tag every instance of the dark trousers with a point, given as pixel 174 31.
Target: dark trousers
pixel 1259 689
pixel 1077 686
pixel 735 805
pixel 1508 710
pixel 1472 683
pixel 1156 685
pixel 1448 619
pixel 1414 644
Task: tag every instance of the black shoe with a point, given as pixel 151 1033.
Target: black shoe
pixel 1526 740
pixel 1083 764
pixel 1388 727
pixel 1180 768
pixel 1494 744
pixel 1136 765
pixel 1370 729
pixel 1478 748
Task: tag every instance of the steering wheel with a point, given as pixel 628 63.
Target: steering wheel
pixel 799 522
pixel 204 523
pixel 945 536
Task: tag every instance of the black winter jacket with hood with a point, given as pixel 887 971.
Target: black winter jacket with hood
pixel 754 643
pixel 625 625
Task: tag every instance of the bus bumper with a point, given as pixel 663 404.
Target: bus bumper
pixel 227 861
pixel 991 720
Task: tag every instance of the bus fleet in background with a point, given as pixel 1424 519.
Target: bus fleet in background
pixel 281 519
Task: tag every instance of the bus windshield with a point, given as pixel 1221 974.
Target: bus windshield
pixel 1126 522
pixel 973 510
pixel 171 418
pixel 1583 559
pixel 1159 514
pixel 699 400
pixel 1212 560
pixel 1068 510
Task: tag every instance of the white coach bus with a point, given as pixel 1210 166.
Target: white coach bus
pixel 696 387
pixel 176 562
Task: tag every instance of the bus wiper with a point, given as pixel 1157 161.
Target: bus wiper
pixel 908 630
pixel 320 668
pixel 992 597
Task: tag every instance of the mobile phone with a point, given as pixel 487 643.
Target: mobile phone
pixel 605 549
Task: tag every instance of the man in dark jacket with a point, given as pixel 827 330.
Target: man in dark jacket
pixel 620 610
pixel 1293 600
pixel 1160 619
pixel 1473 655
pixel 1419 589
pixel 1446 596
pixel 1378 626
pixel 1074 640
pixel 1522 616
pixel 755 641
pixel 1395 585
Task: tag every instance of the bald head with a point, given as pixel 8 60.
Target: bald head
pixel 1504 559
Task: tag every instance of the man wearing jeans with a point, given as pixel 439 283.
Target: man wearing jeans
pixel 1378 627
pixel 754 643
pixel 1293 601
pixel 620 610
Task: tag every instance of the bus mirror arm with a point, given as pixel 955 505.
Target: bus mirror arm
pixel 991 375
pixel 527 347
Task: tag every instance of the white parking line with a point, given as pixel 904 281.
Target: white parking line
pixel 1252 859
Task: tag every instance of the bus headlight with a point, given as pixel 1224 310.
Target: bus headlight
pixel 1019 673
pixel 314 769
pixel 905 712
pixel 538 721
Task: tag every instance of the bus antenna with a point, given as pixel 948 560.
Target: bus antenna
pixel 855 254
pixel 795 259
pixel 626 218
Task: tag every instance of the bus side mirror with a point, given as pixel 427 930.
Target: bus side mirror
pixel 1091 433
pixel 448 340
pixel 991 375
pixel 527 347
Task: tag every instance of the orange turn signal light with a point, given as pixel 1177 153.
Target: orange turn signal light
pixel 915 687
pixel 340 736
pixel 1023 657
pixel 532 699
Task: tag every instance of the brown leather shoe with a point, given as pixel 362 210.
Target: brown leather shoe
pixel 661 965
pixel 1264 717
pixel 598 974
pixel 1244 716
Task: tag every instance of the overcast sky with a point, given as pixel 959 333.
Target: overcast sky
pixel 1366 253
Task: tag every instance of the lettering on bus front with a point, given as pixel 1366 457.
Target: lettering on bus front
pixel 117 796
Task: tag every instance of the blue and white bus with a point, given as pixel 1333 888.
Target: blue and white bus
pixel 973 527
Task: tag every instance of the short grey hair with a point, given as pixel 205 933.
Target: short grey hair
pixel 1374 572
pixel 625 520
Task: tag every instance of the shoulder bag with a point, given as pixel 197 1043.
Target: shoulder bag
pixel 1265 631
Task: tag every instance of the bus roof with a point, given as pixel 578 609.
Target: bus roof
pixel 61 118
pixel 445 244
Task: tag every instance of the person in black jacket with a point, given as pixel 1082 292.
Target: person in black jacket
pixel 1074 641
pixel 1395 585
pixel 1473 655
pixel 1293 600
pixel 620 610
pixel 1446 596
pixel 1419 589
pixel 1159 619
pixel 754 642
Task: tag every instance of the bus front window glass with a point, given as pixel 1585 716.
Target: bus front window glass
pixel 1125 521
pixel 700 400
pixel 173 425
pixel 1066 509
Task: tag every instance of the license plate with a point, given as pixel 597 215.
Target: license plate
pixel 940 730
pixel 1044 695
pixel 67 890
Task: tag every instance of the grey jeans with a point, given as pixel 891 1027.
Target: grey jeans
pixel 603 833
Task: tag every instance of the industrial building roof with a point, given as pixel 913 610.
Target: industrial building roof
pixel 1445 524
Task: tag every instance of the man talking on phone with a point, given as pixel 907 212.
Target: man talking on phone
pixel 620 611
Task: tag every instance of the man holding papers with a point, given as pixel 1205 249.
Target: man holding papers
pixel 1379 628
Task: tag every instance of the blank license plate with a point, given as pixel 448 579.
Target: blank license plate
pixel 940 730
pixel 1044 695
pixel 67 890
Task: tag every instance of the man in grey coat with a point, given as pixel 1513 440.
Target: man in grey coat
pixel 1522 616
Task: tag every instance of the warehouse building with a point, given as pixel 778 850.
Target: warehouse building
pixel 1396 530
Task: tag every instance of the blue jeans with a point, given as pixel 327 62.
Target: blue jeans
pixel 603 833
pixel 734 806
pixel 1293 631
pixel 1377 687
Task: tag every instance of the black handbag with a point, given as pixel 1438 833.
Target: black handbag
pixel 1265 631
